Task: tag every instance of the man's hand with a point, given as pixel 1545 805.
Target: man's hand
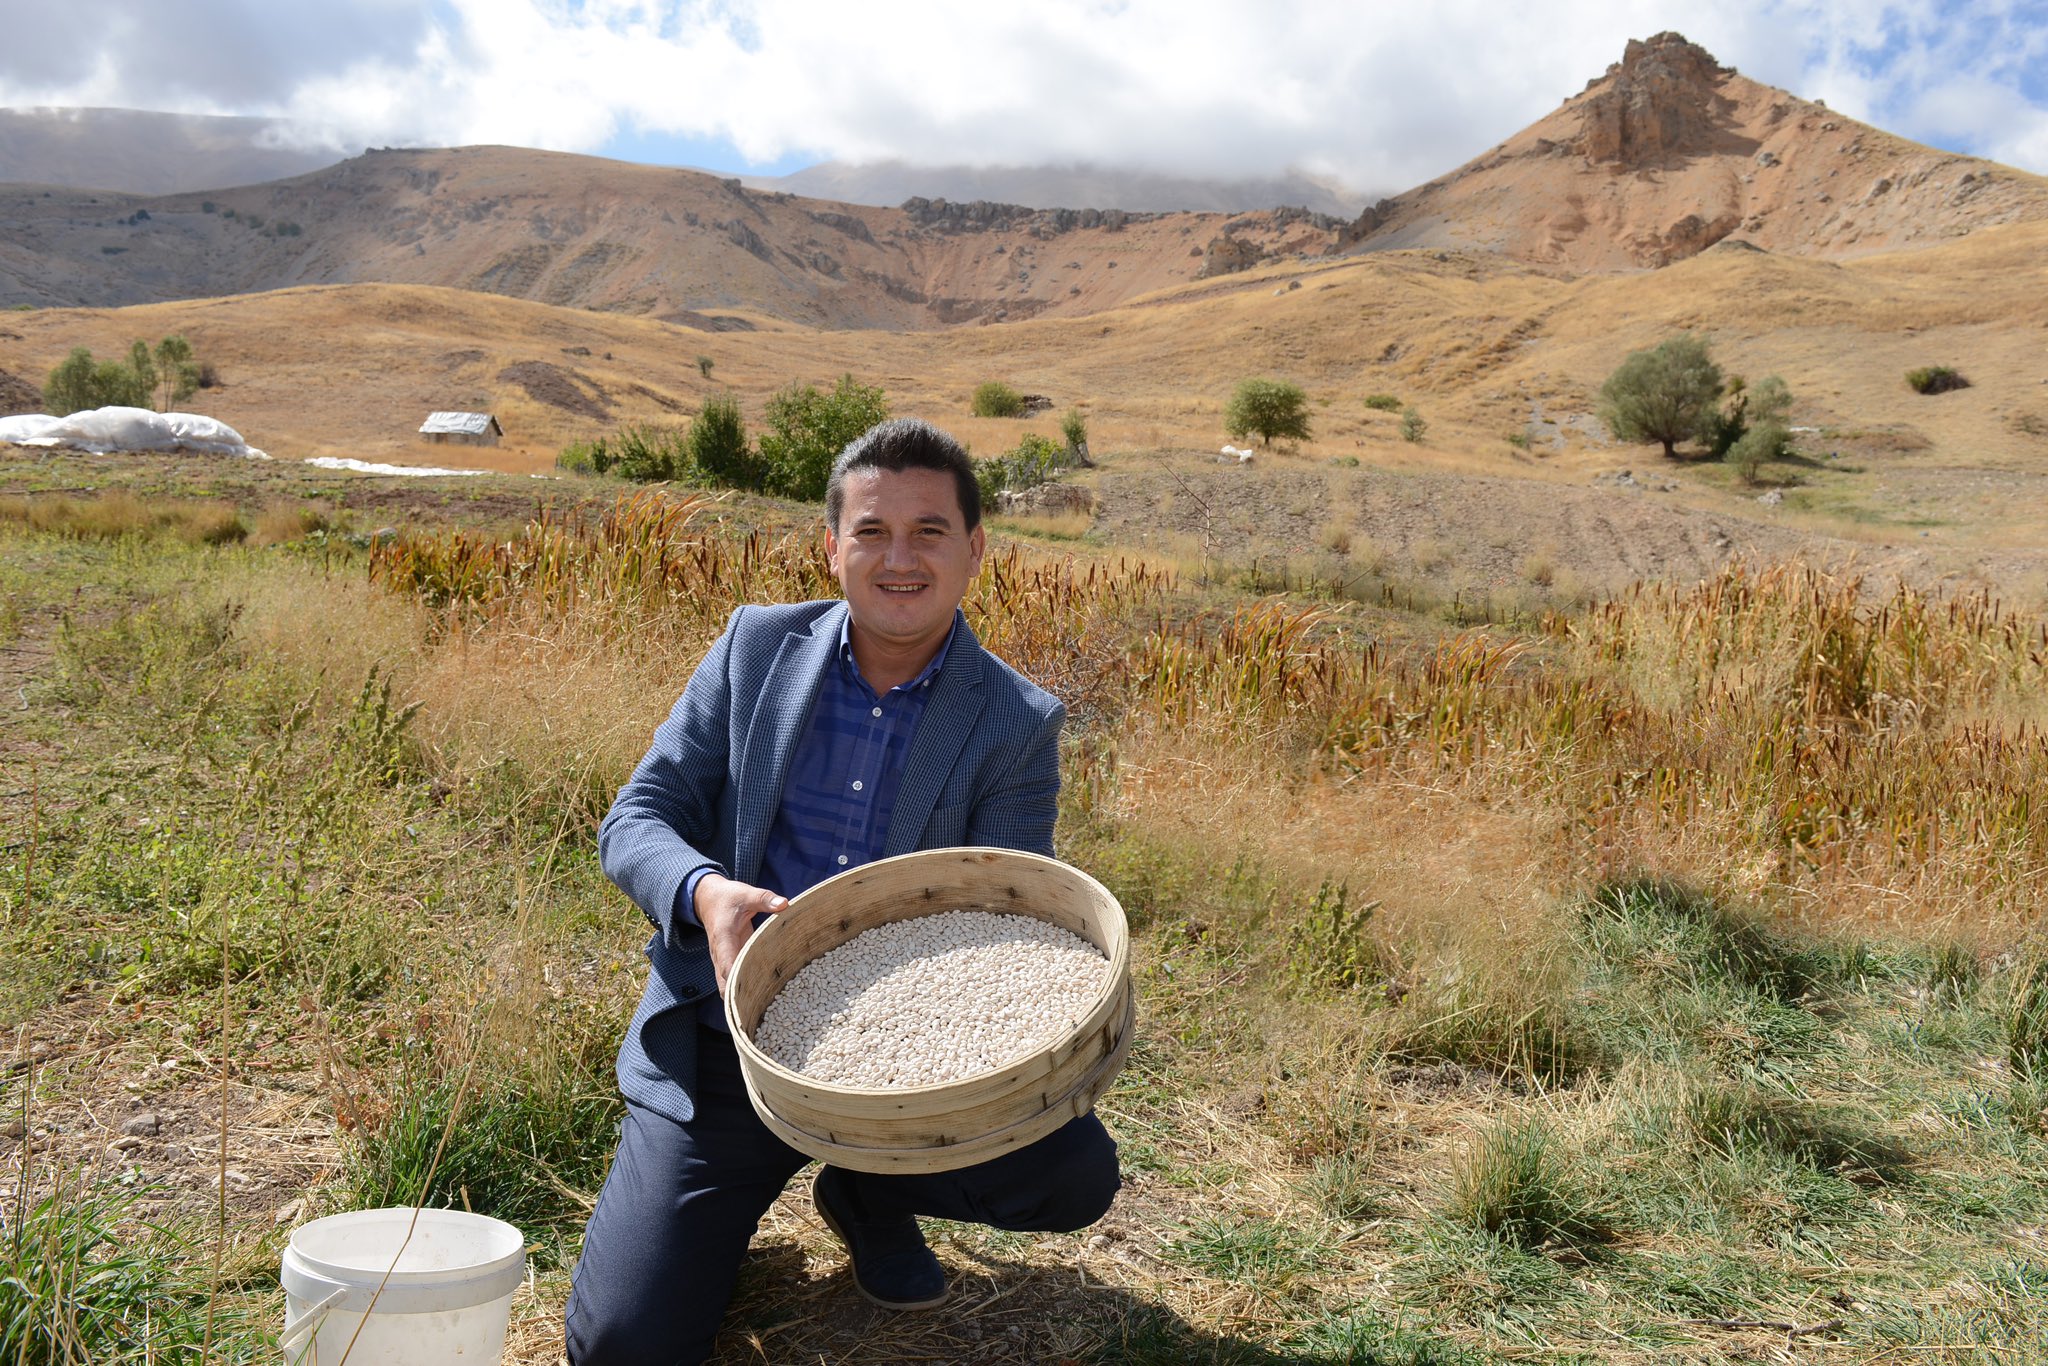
pixel 726 909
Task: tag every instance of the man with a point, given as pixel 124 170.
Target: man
pixel 813 737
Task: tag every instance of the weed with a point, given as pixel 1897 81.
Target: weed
pixel 1329 949
pixel 78 1285
pixel 529 1156
pixel 1260 1253
pixel 1935 379
pixel 2024 1019
pixel 1517 1185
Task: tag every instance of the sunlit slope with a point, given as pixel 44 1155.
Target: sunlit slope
pixel 1474 341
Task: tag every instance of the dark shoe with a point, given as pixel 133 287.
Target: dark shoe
pixel 891 1264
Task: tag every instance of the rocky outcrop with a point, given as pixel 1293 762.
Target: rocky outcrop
pixel 1225 255
pixel 1660 100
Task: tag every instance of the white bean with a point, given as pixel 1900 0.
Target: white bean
pixel 932 999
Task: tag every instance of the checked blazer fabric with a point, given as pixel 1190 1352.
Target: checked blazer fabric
pixel 983 769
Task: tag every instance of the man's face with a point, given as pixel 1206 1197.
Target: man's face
pixel 903 555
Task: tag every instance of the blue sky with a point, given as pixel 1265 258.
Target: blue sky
pixel 1378 98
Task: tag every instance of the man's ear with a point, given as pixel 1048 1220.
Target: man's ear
pixel 831 549
pixel 977 540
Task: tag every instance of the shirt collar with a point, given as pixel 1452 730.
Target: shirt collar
pixel 924 678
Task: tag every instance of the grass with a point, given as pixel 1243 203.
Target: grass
pixel 1550 987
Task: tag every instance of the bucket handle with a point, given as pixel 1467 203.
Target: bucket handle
pixel 309 1321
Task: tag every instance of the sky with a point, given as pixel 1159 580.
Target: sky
pixel 1375 97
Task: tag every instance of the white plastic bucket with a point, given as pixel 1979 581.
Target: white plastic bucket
pixel 446 1302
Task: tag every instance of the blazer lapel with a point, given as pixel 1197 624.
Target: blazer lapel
pixel 780 715
pixel 942 733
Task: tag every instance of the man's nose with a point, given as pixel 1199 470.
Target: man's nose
pixel 899 555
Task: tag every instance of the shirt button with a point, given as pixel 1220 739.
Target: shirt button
pixel 878 711
pixel 856 784
pixel 842 860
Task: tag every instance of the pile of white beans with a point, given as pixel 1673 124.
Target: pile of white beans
pixel 930 1000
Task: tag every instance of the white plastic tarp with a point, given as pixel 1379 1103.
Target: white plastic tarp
pixel 100 430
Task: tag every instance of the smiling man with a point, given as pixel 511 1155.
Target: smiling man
pixel 814 737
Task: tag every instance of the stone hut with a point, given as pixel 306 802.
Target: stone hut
pixel 461 429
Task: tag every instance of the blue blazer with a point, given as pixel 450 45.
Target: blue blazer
pixel 983 769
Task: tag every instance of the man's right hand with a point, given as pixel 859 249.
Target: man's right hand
pixel 726 909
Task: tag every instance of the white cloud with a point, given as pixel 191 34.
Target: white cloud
pixel 1379 97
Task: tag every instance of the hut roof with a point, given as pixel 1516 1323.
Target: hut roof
pixel 460 424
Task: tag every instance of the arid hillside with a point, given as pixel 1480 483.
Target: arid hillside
pixel 1666 155
pixel 580 232
pixel 1671 152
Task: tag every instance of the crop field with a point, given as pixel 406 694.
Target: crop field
pixel 1654 979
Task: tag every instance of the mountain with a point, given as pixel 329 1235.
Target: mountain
pixel 1666 155
pixel 134 151
pixel 1670 153
pixel 583 232
pixel 1070 187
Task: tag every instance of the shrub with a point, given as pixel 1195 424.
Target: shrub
pixel 993 398
pixel 79 382
pixel 1269 409
pixel 1666 394
pixel 1383 403
pixel 1768 440
pixel 704 364
pixel 807 429
pixel 718 449
pixel 646 454
pixel 1412 425
pixel 1030 463
pixel 1935 379
pixel 1074 430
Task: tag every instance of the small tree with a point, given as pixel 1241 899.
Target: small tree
pixel 718 445
pixel 1765 440
pixel 1268 408
pixel 1412 423
pixel 177 377
pixel 1074 429
pixel 1664 394
pixel 808 428
pixel 993 398
pixel 70 388
pixel 704 364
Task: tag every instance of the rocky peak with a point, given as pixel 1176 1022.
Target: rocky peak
pixel 1662 99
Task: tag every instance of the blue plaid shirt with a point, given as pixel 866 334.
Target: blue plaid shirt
pixel 841 787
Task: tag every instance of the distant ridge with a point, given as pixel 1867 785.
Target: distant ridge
pixel 889 183
pixel 134 151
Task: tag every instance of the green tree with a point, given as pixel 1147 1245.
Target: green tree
pixel 79 383
pixel 1268 408
pixel 718 446
pixel 807 429
pixel 1413 425
pixel 1766 440
pixel 1074 429
pixel 144 367
pixel 1666 394
pixel 177 375
pixel 993 398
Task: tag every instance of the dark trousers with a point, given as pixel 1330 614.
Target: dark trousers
pixel 681 1201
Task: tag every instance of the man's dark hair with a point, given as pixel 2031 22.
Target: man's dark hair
pixel 904 443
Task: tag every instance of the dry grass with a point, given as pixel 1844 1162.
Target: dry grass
pixel 120 513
